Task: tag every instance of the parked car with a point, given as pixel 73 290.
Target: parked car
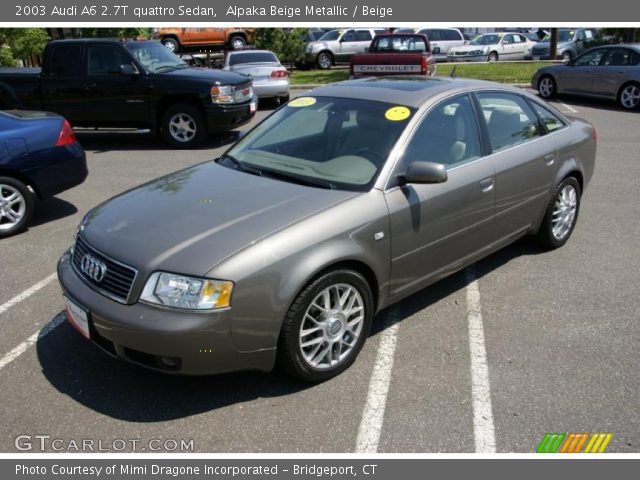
pixel 337 46
pixel 39 158
pixel 339 204
pixel 441 39
pixel 395 54
pixel 270 78
pixel 108 83
pixel 177 39
pixel 611 72
pixel 314 34
pixel 571 43
pixel 492 47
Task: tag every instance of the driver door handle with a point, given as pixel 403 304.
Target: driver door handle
pixel 486 185
pixel 90 86
pixel 549 159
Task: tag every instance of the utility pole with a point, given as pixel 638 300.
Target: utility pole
pixel 553 44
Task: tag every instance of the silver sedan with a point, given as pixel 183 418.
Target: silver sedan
pixel 611 72
pixel 270 77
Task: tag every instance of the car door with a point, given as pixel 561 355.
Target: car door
pixel 519 47
pixel 579 75
pixel 347 46
pixel 62 88
pixel 116 99
pixel 524 161
pixel 363 40
pixel 436 228
pixel 507 47
pixel 612 71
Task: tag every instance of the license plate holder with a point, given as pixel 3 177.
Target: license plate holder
pixel 79 317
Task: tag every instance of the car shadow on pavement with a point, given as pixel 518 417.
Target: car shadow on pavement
pixel 51 209
pixel 109 141
pixel 589 102
pixel 449 285
pixel 78 369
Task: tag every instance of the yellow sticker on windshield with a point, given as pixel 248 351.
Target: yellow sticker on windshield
pixel 397 114
pixel 302 102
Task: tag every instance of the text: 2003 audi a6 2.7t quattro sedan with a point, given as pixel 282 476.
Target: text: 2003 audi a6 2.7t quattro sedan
pixel 339 204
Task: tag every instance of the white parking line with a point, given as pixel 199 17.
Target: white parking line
pixel 569 108
pixel 27 293
pixel 483 428
pixel 29 342
pixel 373 413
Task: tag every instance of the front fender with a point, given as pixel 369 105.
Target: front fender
pixel 270 273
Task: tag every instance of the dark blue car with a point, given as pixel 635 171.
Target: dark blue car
pixel 39 157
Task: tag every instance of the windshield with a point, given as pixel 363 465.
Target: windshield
pixel 155 57
pixel 330 35
pixel 329 142
pixel 252 57
pixel 491 39
pixel 563 36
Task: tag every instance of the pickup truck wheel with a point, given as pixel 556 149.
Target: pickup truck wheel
pixel 171 44
pixel 237 43
pixel 16 206
pixel 183 126
pixel 324 60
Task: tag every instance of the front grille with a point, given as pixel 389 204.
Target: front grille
pixel 118 279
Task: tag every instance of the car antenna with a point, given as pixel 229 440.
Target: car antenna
pixel 453 72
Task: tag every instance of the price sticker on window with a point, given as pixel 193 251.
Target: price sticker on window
pixel 302 102
pixel 397 114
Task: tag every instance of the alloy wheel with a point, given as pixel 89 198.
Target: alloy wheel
pixel 546 87
pixel 182 127
pixel 12 206
pixel 331 326
pixel 564 212
pixel 630 96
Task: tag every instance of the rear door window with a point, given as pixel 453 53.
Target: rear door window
pixel 363 35
pixel 510 121
pixel 550 121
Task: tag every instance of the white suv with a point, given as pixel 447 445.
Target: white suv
pixel 442 40
pixel 338 46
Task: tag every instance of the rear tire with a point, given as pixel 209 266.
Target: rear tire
pixel 333 316
pixel 17 204
pixel 171 44
pixel 561 215
pixel 183 126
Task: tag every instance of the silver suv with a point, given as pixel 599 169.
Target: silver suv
pixel 337 46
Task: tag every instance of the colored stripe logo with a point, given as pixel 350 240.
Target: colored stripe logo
pixel 574 442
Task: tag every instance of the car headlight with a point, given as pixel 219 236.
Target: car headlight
pixel 222 94
pixel 308 48
pixel 190 293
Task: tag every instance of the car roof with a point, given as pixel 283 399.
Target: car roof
pixel 410 90
pixel 100 40
pixel 249 50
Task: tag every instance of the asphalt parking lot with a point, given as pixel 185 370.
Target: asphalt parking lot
pixel 561 336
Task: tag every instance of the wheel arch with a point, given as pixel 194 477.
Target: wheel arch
pixel 170 100
pixel 7 172
pixel 626 84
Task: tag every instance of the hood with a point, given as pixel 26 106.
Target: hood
pixel 208 75
pixel 190 221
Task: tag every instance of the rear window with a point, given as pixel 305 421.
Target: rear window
pixel 66 61
pixel 252 57
pixel 452 35
pixel 409 43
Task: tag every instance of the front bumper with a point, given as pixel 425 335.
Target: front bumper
pixel 198 343
pixel 225 117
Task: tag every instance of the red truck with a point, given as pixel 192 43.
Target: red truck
pixel 395 54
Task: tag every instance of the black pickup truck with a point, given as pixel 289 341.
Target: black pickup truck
pixel 108 83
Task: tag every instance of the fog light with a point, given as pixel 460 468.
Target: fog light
pixel 170 362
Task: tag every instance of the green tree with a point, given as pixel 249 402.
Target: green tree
pixel 113 32
pixel 287 44
pixel 21 44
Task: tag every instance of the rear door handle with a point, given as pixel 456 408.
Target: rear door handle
pixel 486 185
pixel 549 159
pixel 90 86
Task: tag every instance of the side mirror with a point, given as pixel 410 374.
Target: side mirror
pixel 424 172
pixel 127 69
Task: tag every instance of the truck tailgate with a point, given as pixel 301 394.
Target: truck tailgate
pixel 387 63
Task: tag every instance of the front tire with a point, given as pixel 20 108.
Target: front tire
pixel 561 215
pixel 566 56
pixel 493 57
pixel 547 87
pixel 183 126
pixel 324 60
pixel 16 206
pixel 326 326
pixel 629 96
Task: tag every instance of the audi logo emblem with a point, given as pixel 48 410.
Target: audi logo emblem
pixel 93 268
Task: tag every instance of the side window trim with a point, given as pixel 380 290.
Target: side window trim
pixel 542 126
pixel 483 129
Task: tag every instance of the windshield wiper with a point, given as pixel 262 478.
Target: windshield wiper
pixel 299 180
pixel 242 166
pixel 170 68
